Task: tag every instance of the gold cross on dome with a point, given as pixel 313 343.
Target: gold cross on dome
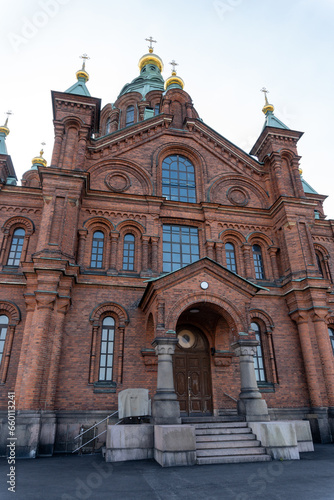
pixel 265 91
pixel 173 63
pixel 8 113
pixel 85 58
pixel 150 40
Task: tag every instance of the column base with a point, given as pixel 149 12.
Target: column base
pixel 254 410
pixel 165 411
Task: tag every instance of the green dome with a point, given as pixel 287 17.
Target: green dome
pixel 150 77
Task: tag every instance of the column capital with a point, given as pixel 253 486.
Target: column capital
pixel 164 345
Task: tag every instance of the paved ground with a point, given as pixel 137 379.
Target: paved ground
pixel 89 477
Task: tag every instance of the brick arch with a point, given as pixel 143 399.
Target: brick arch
pixel 19 221
pixel 227 182
pixel 130 223
pixel 127 168
pixel 72 122
pixel 227 309
pixel 110 307
pixel 11 310
pixel 257 237
pixel 263 316
pixel 231 233
pixel 321 249
pixel 95 221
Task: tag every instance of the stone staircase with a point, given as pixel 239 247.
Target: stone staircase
pixel 227 442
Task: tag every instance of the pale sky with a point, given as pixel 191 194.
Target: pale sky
pixel 227 50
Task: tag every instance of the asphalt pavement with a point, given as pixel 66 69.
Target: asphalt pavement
pixel 73 477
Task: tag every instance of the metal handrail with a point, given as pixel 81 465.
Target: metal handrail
pixel 231 397
pixel 95 425
pixel 89 441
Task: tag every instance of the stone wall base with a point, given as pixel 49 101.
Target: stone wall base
pixel 129 442
pixel 284 440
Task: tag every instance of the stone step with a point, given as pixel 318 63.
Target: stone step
pixel 235 459
pixel 220 425
pixel 259 450
pixel 203 420
pixel 224 437
pixel 221 445
pixel 243 430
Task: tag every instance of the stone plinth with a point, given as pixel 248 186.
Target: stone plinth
pixel 129 442
pixel 279 439
pixel 174 445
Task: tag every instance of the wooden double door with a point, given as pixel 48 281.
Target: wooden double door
pixel 192 374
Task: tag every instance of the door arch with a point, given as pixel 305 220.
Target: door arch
pixel 192 373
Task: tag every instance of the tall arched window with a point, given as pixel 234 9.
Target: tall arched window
pixel 130 116
pixel 3 333
pixel 108 126
pixel 107 349
pixel 97 250
pixel 129 252
pixel 178 179
pixel 230 257
pixel 331 336
pixel 156 109
pixel 16 247
pixel 258 262
pixel 258 358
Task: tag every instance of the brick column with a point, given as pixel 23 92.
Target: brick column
pixel 272 253
pixel 271 355
pixel 4 246
pixel 301 319
pixel 219 252
pixel 247 249
pixel 57 337
pixel 145 241
pixel 6 354
pixel 93 353
pixel 113 253
pixel 35 358
pixel 154 244
pixel 325 351
pixel 209 249
pixel 81 246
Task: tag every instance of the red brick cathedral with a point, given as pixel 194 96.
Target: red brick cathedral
pixel 147 225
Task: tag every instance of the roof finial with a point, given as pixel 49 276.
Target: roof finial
pixel 85 58
pixel 173 63
pixel 267 107
pixel 39 160
pixel 150 49
pixel 8 113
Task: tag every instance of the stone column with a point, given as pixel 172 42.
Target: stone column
pixel 250 403
pixel 165 406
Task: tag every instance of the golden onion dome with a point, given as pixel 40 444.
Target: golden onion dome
pixel 39 160
pixel 151 58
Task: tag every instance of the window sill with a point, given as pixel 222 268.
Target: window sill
pixel 266 386
pixel 104 387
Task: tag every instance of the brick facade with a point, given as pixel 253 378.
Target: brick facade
pixel 107 177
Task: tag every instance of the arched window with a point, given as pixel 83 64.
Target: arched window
pixel 97 250
pixel 108 126
pixel 3 333
pixel 331 336
pixel 156 109
pixel 107 349
pixel 258 358
pixel 319 263
pixel 130 115
pixel 178 179
pixel 258 262
pixel 16 247
pixel 129 252
pixel 230 257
